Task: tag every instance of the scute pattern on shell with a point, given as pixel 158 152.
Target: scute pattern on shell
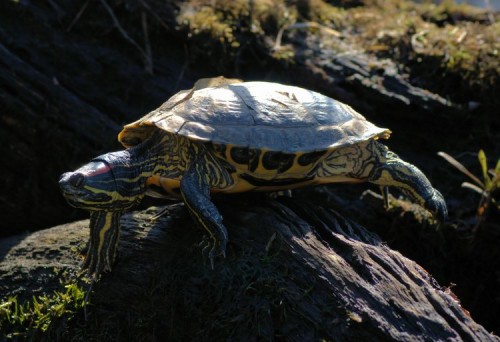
pixel 259 115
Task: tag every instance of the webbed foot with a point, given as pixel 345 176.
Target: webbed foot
pixel 390 170
pixel 436 204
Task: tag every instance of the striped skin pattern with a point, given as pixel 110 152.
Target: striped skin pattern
pixel 372 161
pixel 228 136
pixel 112 183
pixel 195 189
pixel 103 242
pixel 192 171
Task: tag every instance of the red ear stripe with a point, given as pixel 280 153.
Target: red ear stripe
pixel 102 168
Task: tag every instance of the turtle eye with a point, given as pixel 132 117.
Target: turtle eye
pixel 76 180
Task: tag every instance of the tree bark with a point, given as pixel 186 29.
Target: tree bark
pixel 295 270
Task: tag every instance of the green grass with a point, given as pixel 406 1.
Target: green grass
pixel 45 317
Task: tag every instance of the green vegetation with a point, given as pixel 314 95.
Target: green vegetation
pixel 45 317
pixel 450 48
pixel 487 188
pixel 232 24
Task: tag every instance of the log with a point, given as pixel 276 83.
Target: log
pixel 42 119
pixel 351 75
pixel 295 270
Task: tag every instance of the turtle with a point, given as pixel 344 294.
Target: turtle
pixel 229 136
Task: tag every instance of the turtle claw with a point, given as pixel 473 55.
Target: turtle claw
pixel 212 248
pixel 205 245
pixel 214 252
pixel 162 212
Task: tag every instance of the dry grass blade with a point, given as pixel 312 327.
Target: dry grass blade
pixel 119 27
pixel 460 167
pixel 472 187
pixel 305 25
pixel 78 15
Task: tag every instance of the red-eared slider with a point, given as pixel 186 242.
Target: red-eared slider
pixel 229 136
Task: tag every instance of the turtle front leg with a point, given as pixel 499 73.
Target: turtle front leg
pixel 195 190
pixel 103 241
pixel 390 170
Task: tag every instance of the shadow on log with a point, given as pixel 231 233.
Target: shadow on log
pixel 295 270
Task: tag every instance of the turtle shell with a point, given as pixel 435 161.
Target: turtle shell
pixel 259 115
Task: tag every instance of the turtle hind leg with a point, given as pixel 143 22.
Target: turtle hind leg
pixel 390 170
pixel 195 190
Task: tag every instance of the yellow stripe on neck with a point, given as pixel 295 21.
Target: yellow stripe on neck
pixel 108 220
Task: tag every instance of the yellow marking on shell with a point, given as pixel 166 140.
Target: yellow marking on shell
pixel 227 156
pixel 298 169
pixel 261 171
pixel 295 171
pixel 338 179
pixel 241 185
pixel 135 133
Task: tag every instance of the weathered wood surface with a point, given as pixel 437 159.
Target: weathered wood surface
pixel 295 270
pixel 43 126
pixel 64 95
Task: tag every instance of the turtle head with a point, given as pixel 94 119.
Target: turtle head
pixel 106 186
pixel 109 182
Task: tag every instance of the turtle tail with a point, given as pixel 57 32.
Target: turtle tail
pixel 390 170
